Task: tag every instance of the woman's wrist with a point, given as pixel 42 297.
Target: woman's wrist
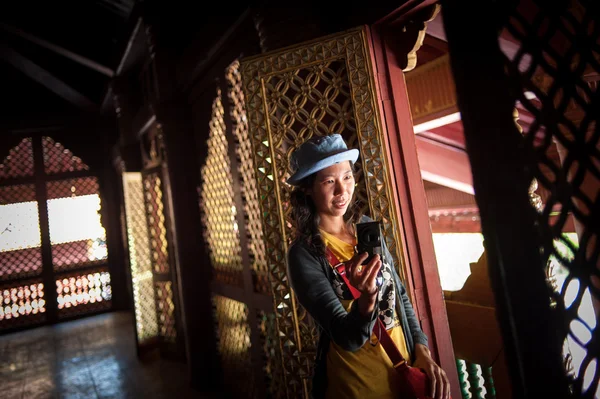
pixel 422 351
pixel 366 304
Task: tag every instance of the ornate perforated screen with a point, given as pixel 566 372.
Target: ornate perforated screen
pixel 53 252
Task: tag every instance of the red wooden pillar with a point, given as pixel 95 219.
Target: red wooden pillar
pixel 394 44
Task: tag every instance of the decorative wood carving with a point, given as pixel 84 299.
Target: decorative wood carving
pixel 408 38
pixel 152 146
pixel 431 90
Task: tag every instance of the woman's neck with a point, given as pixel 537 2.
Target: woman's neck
pixel 333 225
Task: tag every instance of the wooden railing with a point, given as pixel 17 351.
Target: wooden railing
pixel 475 381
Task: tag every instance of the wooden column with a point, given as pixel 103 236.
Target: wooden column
pixel 41 193
pixel 111 189
pixel 126 157
pixel 191 260
pixel 121 93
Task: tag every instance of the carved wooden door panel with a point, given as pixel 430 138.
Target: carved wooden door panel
pixel 151 251
pixel 540 62
pixel 140 263
pixel 161 250
pixel 315 88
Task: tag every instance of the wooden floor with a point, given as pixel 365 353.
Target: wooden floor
pixel 88 358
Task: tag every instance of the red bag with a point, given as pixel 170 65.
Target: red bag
pixel 415 384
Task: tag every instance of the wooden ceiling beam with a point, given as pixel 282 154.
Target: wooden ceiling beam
pixel 455 223
pixel 96 66
pixel 45 78
pixel 435 43
pixel 125 46
pixel 406 10
pixel 444 165
pixel 442 118
pixel 114 7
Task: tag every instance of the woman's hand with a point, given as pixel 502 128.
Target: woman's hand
pixel 440 385
pixel 363 277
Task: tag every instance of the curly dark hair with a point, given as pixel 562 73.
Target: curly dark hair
pixel 306 218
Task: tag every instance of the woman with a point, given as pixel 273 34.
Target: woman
pixel 350 362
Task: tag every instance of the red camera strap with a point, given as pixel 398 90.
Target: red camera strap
pixel 381 333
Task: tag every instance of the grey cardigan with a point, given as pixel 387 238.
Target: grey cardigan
pixel 311 276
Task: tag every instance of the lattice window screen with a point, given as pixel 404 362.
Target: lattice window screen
pixel 233 332
pixel 22 303
pixel 19 161
pixel 83 292
pixel 160 256
pixel 271 354
pixel 139 258
pixel 166 310
pixel 155 213
pixel 218 207
pixel 77 235
pixel 553 75
pixel 243 150
pixel 58 159
pixel 20 237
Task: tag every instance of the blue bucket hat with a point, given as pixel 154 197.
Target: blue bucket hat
pixel 319 153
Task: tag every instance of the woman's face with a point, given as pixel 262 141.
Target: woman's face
pixel 332 189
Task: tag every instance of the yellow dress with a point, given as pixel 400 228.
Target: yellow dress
pixel 368 372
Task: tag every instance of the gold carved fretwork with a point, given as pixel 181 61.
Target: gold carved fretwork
pixel 221 231
pixel 431 90
pixel 243 149
pixel 315 88
pixel 140 256
pixel 233 335
pixel 409 38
